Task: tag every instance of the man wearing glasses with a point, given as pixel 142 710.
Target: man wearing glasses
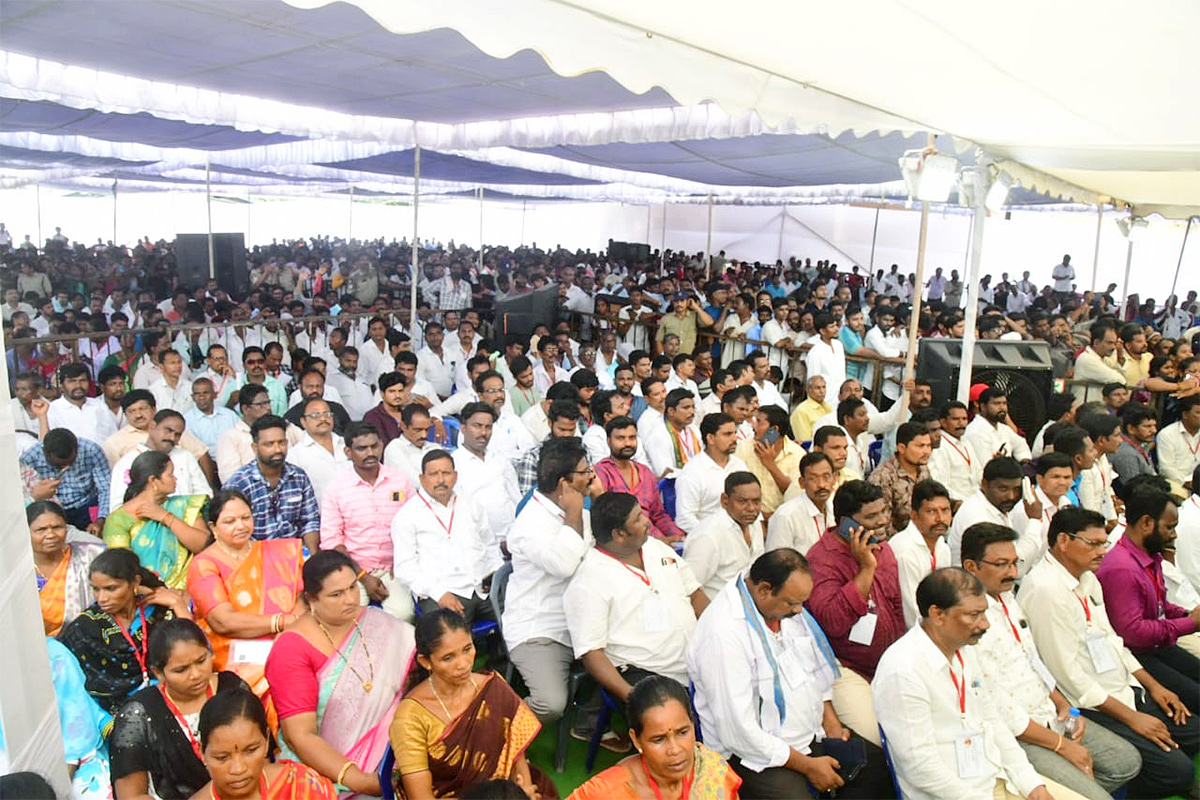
pixel 254 362
pixel 1093 668
pixel 234 445
pixel 321 452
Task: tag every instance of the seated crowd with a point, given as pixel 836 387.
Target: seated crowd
pixel 273 555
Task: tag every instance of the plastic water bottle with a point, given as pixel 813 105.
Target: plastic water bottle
pixel 1071 723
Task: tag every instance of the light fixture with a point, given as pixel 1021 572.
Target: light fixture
pixel 929 175
pixel 997 193
pixel 1132 227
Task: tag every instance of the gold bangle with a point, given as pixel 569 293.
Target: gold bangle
pixel 341 775
pixel 1058 746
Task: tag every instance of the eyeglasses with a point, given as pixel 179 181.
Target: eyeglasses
pixel 586 471
pixel 252 362
pixel 1094 544
pixel 1004 564
pixel 259 404
pixel 320 415
pixel 493 391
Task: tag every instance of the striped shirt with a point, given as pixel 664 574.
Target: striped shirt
pixel 287 511
pixel 84 484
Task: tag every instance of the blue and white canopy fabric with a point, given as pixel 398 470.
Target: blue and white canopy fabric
pixel 766 101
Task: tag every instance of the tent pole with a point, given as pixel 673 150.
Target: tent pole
pixel 480 230
pixel 350 218
pixel 1182 247
pixel 523 204
pixel 415 277
pixel 708 245
pixel 914 322
pixel 874 234
pixel 782 225
pixel 662 247
pixel 38 189
pixel 1096 249
pixel 649 211
pixel 971 293
pixel 212 268
pixel 1128 264
pixel 114 239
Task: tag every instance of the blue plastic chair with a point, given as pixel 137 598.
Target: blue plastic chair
pixel 887 757
pixel 875 453
pixel 576 679
pixel 452 426
pixel 386 766
pixel 608 705
pixel 807 445
pixel 666 488
pixel 479 630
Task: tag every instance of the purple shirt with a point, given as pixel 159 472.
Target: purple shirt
pixel 1132 580
pixel 646 492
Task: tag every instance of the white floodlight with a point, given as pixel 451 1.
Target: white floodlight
pixel 997 193
pixel 1132 227
pixel 929 176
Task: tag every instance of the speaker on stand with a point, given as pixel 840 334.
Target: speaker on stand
pixel 229 261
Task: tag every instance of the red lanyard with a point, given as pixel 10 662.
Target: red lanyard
pixel 1159 588
pixel 687 782
pixel 1138 447
pixel 637 573
pixel 174 709
pixel 1183 433
pixel 960 688
pixel 683 448
pixel 453 508
pixel 965 455
pixel 1087 609
pixel 554 512
pixel 1010 622
pixel 140 656
pixel 932 560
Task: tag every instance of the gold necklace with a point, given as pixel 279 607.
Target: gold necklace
pixel 42 575
pixel 438 697
pixel 234 554
pixel 370 682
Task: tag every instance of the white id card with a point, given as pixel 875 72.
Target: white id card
pixel 863 631
pixel 654 613
pixel 968 752
pixel 249 651
pixel 1102 655
pixel 1042 670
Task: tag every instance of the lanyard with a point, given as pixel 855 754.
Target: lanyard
pixel 453 508
pixel 174 709
pixel 960 688
pixel 687 782
pixel 684 451
pixel 1138 447
pixel 932 560
pixel 637 477
pixel 1184 435
pixel 1159 588
pixel 140 656
pixel 553 512
pixel 644 577
pixel 966 456
pixel 1010 622
pixel 1087 609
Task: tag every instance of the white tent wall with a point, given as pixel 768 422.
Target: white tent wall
pixel 1028 240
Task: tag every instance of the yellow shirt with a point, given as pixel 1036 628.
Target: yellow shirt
pixel 788 461
pixel 805 416
pixel 1135 370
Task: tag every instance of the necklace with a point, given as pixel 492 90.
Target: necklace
pixel 42 575
pixel 234 554
pixel 370 682
pixel 438 697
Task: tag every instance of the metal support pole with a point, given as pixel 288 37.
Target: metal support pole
pixel 1096 249
pixel 874 234
pixel 782 225
pixel 350 217
pixel 480 230
pixel 212 264
pixel 914 322
pixel 114 239
pixel 971 292
pixel 708 245
pixel 1128 264
pixel 649 212
pixel 523 204
pixel 40 240
pixel 1179 263
pixel 662 247
pixel 416 243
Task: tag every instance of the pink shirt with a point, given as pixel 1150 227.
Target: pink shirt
pixel 358 516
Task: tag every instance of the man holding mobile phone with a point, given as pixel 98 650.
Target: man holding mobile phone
pixel 777 661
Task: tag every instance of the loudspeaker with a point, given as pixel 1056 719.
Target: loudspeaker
pixel 229 261
pixel 1022 369
pixel 629 252
pixel 519 315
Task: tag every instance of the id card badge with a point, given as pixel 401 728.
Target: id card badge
pixel 1042 670
pixel 249 651
pixel 863 631
pixel 654 613
pixel 968 752
pixel 1102 655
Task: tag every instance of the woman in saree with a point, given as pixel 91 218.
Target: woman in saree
pixel 110 638
pixel 61 566
pixel 84 726
pixel 244 591
pixel 235 744
pixel 153 744
pixel 670 764
pixel 163 530
pixel 455 727
pixel 336 677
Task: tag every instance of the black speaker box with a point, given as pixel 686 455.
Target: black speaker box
pixel 519 315
pixel 1022 369
pixel 629 252
pixel 229 261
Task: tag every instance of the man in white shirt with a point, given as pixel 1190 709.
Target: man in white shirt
pixel 683 368
pixel 727 542
pixel 800 521
pixel 407 450
pixel 1053 477
pixel 1091 760
pixel 768 393
pixel 548 542
pixel 374 355
pixel 827 357
pixel 354 392
pixel 997 496
pixel 510 436
pixel 765 703
pixel 673 441
pixel 1187 537
pixel 921 547
pixel 1096 484
pixel 1178 444
pixel 321 453
pixel 1093 668
pixel 1091 373
pixel 632 602
pixel 654 392
pixel 700 483
pixel 73 411
pixel 548 370
pixel 779 335
pixel 162 436
pixel 445 551
pixel 1063 273
pixel 955 464
pixel 484 475
pixel 942 730
pixel 221 373
pixel 172 390
pixel 989 433
pixel 632 321
pixel 436 364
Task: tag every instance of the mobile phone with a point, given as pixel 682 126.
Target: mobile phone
pixel 1027 490
pixel 770 437
pixel 848 525
pixel 851 755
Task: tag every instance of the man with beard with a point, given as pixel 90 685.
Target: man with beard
pixel 1093 668
pixel 72 410
pixel 921 547
pixel 281 496
pixel 1089 760
pixel 162 436
pixel 998 494
pixel 898 475
pixel 758 625
pixel 1132 578
pixel 955 464
pixel 321 452
pixel 989 433
pixel 312 385
pixel 355 393
pixel 700 483
pixel 484 473
pixel 945 737
pixel 1091 370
